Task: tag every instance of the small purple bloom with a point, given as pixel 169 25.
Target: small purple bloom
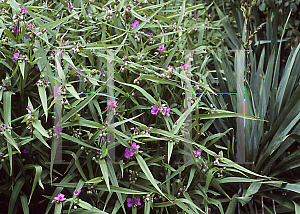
pixel 30 25
pixel 60 197
pixel 25 151
pixel 15 28
pixel 58 129
pixel 77 192
pixel 28 107
pixel 197 153
pixel 168 112
pixel 70 6
pixel 134 146
pixel 130 202
pixel 136 23
pixel 87 111
pixel 150 34
pixel 23 10
pixel 16 55
pixel 67 43
pixel 138 201
pixel 128 153
pixel 111 104
pixel 154 109
pixel 128 8
pixel 161 48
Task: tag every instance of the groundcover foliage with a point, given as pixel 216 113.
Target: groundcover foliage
pixel 43 42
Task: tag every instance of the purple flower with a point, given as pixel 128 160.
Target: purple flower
pixel 154 110
pixel 150 34
pixel 128 153
pixel 25 151
pixel 138 201
pixel 77 73
pixel 197 153
pixel 70 6
pixel 16 55
pixel 23 10
pixel 62 40
pixel 161 48
pixel 30 25
pixel 128 8
pixel 136 23
pixel 134 146
pixel 28 107
pixel 87 111
pixel 60 197
pixel 169 68
pixel 77 192
pixel 68 44
pixel 58 129
pixel 131 202
pixel 168 112
pixel 15 28
pixel 111 104
pixel 180 68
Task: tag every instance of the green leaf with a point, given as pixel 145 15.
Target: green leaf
pixel 95 180
pixel 22 68
pixel 148 173
pixel 40 137
pixel 57 22
pixel 72 90
pixel 58 208
pixel 146 94
pixel 104 171
pixel 37 124
pixel 43 96
pixel 89 207
pixel 37 178
pixel 14 195
pixel 24 203
pixel 120 190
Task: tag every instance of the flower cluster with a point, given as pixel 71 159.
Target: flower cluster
pixel 31 118
pixel 76 193
pixel 220 174
pixel 163 109
pixel 76 133
pixel 135 131
pixel 185 66
pixel 148 197
pixel 19 58
pixel 132 176
pixel 77 47
pixel 98 156
pixel 42 82
pixel 212 110
pixel 136 81
pixel 4 83
pixel 147 130
pixel 3 128
pixel 133 202
pixel 96 72
pixel 90 188
pixel 181 190
pixel 129 153
pixel 2 157
pixel 168 72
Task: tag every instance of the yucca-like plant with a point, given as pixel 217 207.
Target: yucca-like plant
pixel 270 143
